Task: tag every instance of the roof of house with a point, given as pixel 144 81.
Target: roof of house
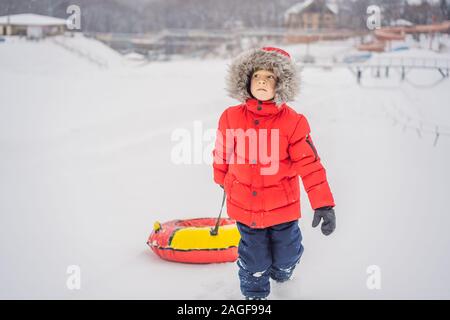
pixel 299 7
pixel 402 23
pixel 31 19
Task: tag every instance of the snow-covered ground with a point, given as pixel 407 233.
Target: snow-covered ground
pixel 86 168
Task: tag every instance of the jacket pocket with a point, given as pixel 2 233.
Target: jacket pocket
pixel 294 184
pixel 275 197
pixel 288 190
pixel 228 183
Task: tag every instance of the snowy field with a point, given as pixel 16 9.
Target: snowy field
pixel 86 168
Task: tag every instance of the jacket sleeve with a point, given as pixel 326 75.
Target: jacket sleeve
pixel 306 162
pixel 222 150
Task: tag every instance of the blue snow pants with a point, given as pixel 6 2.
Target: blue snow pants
pixel 271 252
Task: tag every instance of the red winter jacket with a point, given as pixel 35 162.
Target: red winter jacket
pixel 262 200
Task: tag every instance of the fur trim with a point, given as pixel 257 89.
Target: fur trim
pixel 243 66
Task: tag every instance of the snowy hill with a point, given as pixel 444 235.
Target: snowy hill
pixel 86 169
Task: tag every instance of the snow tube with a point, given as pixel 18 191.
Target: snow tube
pixel 190 241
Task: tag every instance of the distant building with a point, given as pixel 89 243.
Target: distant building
pixel 31 25
pixel 312 15
pixel 418 12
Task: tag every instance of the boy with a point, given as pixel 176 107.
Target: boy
pixel 263 192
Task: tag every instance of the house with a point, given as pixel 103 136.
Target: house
pixel 31 25
pixel 312 15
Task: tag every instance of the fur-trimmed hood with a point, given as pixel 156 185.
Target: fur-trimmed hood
pixel 268 58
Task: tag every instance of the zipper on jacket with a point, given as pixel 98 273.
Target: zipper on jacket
pixel 312 147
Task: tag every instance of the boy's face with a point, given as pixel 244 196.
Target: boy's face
pixel 263 85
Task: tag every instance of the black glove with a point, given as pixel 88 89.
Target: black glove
pixel 329 219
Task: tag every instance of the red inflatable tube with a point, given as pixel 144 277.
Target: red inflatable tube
pixel 190 241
